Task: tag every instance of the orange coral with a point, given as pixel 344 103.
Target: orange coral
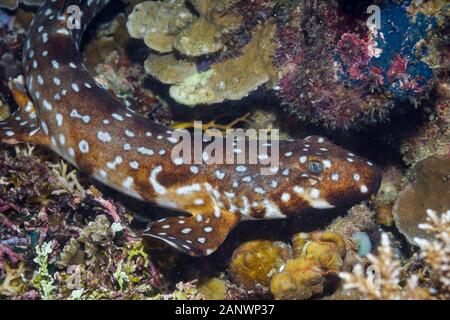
pixel 317 255
pixel 255 262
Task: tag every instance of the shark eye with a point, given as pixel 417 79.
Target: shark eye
pixel 315 167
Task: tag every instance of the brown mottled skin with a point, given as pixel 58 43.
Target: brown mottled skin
pixel 90 128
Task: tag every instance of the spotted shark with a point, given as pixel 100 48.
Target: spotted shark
pixel 67 111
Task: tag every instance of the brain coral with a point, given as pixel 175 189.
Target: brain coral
pixel 255 262
pixel 316 256
pixel 430 190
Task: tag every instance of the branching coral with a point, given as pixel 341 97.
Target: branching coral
pixel 436 253
pixel 13 283
pixel 381 281
pixel 42 280
pixel 385 279
pixel 67 181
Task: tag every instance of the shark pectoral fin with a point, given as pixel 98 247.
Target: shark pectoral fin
pixel 22 126
pixel 197 235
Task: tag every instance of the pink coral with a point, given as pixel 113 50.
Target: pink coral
pixel 354 52
pixel 7 252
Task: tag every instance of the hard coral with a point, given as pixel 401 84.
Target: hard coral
pixel 382 279
pixel 431 190
pixel 385 278
pixel 168 69
pixel 169 25
pixel 255 262
pixel 391 185
pixel 197 76
pixel 158 23
pixel 213 289
pixel 436 253
pixel 231 79
pixel 89 246
pixel 317 256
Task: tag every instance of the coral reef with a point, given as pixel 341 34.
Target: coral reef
pixel 344 73
pixel 14 4
pixel 197 77
pixel 255 262
pixel 72 250
pixel 168 69
pixel 62 238
pixel 391 185
pixel 316 257
pixel 335 70
pixel 364 243
pixel 431 189
pixel 385 278
pixel 231 79
pixel 158 23
pixel 213 289
pixel 434 136
pixel 359 218
pixel 169 25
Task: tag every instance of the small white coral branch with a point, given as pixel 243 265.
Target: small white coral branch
pixel 382 279
pixel 437 252
pixel 67 182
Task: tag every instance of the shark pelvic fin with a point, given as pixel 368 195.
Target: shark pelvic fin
pixel 197 235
